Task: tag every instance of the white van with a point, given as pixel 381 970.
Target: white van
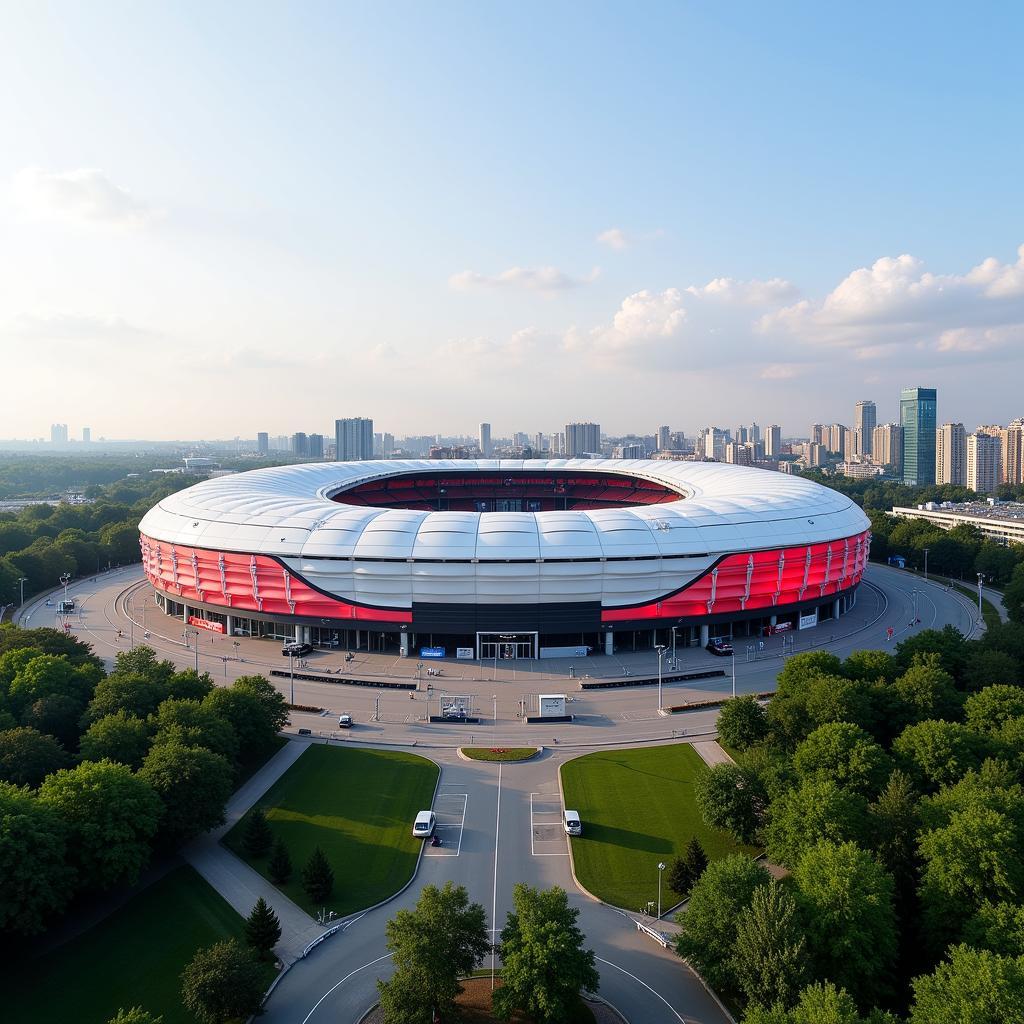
pixel 423 826
pixel 571 823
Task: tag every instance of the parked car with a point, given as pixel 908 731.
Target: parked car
pixel 720 647
pixel 296 649
pixel 571 823
pixel 345 721
pixel 423 826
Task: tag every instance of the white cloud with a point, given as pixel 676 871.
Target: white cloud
pixel 780 371
pixel 649 314
pixel 82 196
pixel 614 238
pixel 67 327
pixel 541 279
pixel 748 293
pixel 520 346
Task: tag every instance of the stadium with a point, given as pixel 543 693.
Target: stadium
pixel 503 558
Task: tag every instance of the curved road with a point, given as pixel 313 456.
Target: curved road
pixel 500 825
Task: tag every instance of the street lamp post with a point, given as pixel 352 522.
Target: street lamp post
pixel 981 578
pixel 22 582
pixel 65 579
pixel 915 608
pixel 193 633
pixel 291 674
pixel 494 697
pixel 674 628
pixel 660 648
pixel 926 563
pixel 661 868
pixel 734 673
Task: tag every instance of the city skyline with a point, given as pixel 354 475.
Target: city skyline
pixel 465 229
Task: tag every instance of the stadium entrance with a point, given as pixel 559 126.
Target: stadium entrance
pixel 492 646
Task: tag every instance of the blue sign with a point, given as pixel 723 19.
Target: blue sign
pixel 432 652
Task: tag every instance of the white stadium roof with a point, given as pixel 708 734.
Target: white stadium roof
pixel 287 511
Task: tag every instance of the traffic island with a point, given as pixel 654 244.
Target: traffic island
pixel 504 754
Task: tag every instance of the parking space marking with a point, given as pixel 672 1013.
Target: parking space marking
pixel 448 800
pixel 545 832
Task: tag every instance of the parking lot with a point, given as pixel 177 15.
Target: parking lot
pixel 547 835
pixel 450 811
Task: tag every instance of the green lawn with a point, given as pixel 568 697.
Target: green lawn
pixel 133 958
pixel 637 809
pixel 358 806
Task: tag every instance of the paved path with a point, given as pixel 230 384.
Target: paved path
pixel 238 883
pixel 712 753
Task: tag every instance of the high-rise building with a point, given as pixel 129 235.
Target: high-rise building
pixel 582 439
pixel 773 440
pixel 263 443
pixel 740 436
pixel 520 439
pixel 300 445
pixel 819 433
pixel 664 438
pixel 1012 454
pixel 353 439
pixel 835 440
pixel 917 417
pixel 887 446
pixel 388 445
pixel 983 452
pixel 865 419
pixel 58 433
pixel 316 446
pixel 539 444
pixel 754 434
pixel 485 440
pixel 86 435
pixel 714 444
pixel 628 451
pixel 951 454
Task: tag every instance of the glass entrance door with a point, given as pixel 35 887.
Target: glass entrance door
pixel 506 646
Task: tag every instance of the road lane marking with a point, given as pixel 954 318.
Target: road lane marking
pixel 446 851
pixel 537 827
pixel 494 891
pixel 639 982
pixel 386 956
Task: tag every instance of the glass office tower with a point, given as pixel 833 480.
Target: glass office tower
pixel 917 417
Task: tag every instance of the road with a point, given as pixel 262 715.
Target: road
pixel 500 825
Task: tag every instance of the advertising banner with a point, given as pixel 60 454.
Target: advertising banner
pixel 465 652
pixel 432 652
pixel 807 621
pixel 210 624
pixel 552 705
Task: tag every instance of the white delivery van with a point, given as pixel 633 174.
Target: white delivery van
pixel 572 824
pixel 423 827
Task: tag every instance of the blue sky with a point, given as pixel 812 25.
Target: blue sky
pixel 436 214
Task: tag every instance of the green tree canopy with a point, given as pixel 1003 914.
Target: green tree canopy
pixel 256 711
pixel 544 963
pixel 730 797
pixel 742 722
pixel 926 690
pixel 27 756
pixel 35 879
pixel 132 693
pixel 820 1003
pixel 194 785
pixel 111 815
pixel 988 710
pixel 49 675
pixel 317 877
pixel 222 983
pixel 136 1015
pixel 843 753
pixel 262 928
pixel 936 753
pixel 434 945
pixel 119 737
pixel 684 871
pixel 998 927
pixel 972 985
pixel 708 937
pixel 193 724
pixel 847 904
pixel 815 811
pixel 770 956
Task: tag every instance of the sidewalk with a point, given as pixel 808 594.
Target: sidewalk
pixel 239 884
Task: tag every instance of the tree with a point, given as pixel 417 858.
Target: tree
pixel 57 715
pixel 895 821
pixel 280 866
pixel 27 756
pixel 869 666
pixel 262 928
pixel 731 798
pixel 317 877
pixel 1013 595
pixel 434 945
pixel 194 785
pixel 926 690
pixel 975 857
pixel 49 675
pixel 111 815
pixel 998 927
pixel 142 661
pixel 936 753
pixel 990 666
pixel 709 925
pixel 136 1015
pixel 845 754
pixel 948 643
pixel 818 1004
pixel 770 956
pixel 188 685
pixel 816 810
pixel 132 693
pixel 257 837
pixel 120 737
pixel 255 709
pixel 35 879
pixel 988 710
pixel 545 966
pixel 192 724
pixel 684 871
pixel 972 985
pixel 742 722
pixel 222 983
pixel 847 905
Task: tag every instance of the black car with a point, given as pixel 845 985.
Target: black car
pixel 296 649
pixel 720 648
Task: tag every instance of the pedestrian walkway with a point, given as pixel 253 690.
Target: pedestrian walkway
pixel 238 883
pixel 712 753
